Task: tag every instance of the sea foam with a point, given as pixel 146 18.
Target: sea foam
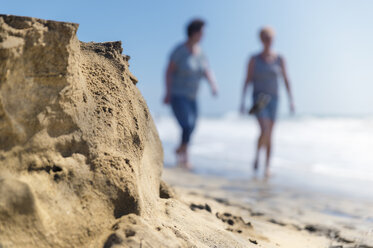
pixel 325 153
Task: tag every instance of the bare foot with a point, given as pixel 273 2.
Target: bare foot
pixel 187 166
pixel 179 158
pixel 267 174
pixel 179 150
pixel 181 155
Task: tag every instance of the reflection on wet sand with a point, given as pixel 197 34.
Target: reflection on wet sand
pixel 340 221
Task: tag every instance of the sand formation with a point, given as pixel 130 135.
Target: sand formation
pixel 80 157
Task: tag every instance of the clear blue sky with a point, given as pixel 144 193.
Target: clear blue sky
pixel 327 44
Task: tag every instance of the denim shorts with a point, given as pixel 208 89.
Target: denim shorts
pixel 270 110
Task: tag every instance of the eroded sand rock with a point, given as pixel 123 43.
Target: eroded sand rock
pixel 80 157
pixel 78 145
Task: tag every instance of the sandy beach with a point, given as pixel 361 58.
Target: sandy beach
pixel 279 216
pixel 82 163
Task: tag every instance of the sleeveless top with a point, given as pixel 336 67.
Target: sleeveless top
pixel 266 75
pixel 190 69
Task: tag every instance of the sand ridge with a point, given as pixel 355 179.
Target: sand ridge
pixel 78 146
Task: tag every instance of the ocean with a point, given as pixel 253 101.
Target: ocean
pixel 328 154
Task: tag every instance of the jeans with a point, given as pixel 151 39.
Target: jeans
pixel 185 111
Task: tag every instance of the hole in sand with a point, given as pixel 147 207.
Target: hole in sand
pixel 125 204
pixel 112 240
pixel 68 148
pixel 56 168
pixel 130 233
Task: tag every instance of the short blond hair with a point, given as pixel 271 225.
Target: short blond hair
pixel 266 31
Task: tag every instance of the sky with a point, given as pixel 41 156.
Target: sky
pixel 327 45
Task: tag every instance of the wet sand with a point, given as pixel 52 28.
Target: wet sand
pixel 283 216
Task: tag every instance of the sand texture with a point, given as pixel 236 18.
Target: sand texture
pixel 279 216
pixel 79 149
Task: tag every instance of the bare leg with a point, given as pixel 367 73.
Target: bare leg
pixel 260 144
pixel 180 151
pixel 182 156
pixel 186 163
pixel 268 147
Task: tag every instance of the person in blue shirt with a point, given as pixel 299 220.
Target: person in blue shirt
pixel 187 66
pixel 264 71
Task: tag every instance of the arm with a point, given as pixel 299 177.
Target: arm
pixel 287 84
pixel 209 76
pixel 211 80
pixel 170 70
pixel 248 80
